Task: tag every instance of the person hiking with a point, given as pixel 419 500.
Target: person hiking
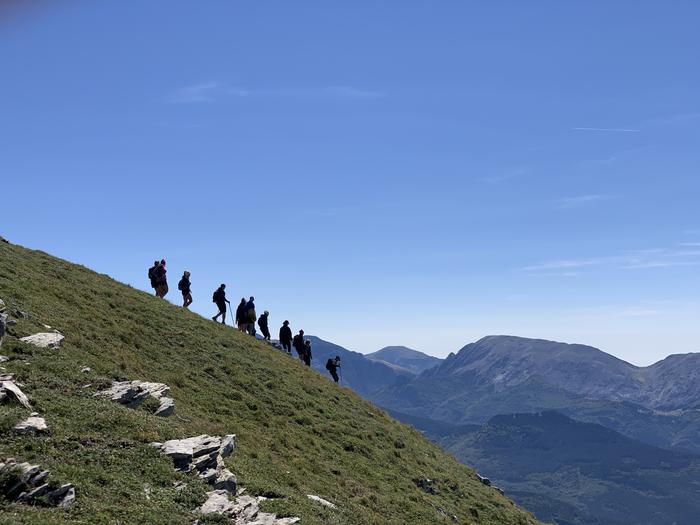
pixel 298 344
pixel 241 317
pixel 184 286
pixel 251 316
pixel 152 275
pixel 307 352
pixel 262 323
pixel 332 366
pixel 286 337
pixel 219 298
pixel 161 280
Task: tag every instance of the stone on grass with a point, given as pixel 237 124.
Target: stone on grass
pixel 9 389
pixel 4 358
pixel 133 393
pixel 44 339
pixel 31 425
pixel 26 483
pixel 322 501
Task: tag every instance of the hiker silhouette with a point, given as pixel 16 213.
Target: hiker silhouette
pixel 219 298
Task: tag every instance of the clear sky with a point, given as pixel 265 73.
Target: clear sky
pixel 379 172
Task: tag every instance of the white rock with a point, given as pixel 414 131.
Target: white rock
pixel 44 339
pixel 4 358
pixel 133 393
pixel 31 425
pixel 9 388
pixel 86 369
pixel 322 501
pixel 218 502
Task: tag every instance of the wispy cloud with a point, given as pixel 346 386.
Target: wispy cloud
pixel 581 200
pixel 203 92
pixel 215 91
pixel 618 130
pixel 506 175
pixel 632 260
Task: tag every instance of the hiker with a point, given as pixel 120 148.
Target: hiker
pixel 161 280
pixel 152 275
pixel 286 337
pixel 332 366
pixel 298 344
pixel 307 352
pixel 219 298
pixel 241 317
pixel 262 323
pixel 184 287
pixel 251 316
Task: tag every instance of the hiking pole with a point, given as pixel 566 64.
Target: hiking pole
pixel 340 369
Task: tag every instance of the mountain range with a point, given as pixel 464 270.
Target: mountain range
pixel 571 432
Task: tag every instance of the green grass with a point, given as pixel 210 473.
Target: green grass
pixel 298 433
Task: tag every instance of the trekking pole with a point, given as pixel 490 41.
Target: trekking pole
pixel 340 369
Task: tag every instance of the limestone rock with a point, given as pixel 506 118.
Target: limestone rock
pixel 133 393
pixel 26 483
pixel 32 424
pixel 44 339
pixel 9 388
pixel 4 358
pixel 218 502
pixel 322 501
pixel 86 369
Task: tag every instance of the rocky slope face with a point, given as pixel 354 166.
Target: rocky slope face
pixel 130 370
pixel 404 359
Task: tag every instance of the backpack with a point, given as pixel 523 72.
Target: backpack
pixel 181 284
pixel 216 298
pixel 330 365
pixel 152 273
pixel 251 315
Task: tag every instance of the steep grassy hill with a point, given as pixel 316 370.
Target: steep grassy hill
pixel 298 433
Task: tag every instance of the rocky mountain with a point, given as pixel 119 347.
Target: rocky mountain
pixel 574 473
pixel 404 358
pixel 504 375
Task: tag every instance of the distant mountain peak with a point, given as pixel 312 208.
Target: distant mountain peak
pixel 404 358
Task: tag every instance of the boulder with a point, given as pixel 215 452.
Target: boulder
pixel 133 393
pixel 26 483
pixel 44 339
pixel 4 358
pixel 484 481
pixel 31 425
pixel 218 502
pixel 9 388
pixel 322 501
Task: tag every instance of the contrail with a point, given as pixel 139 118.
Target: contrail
pixel 623 130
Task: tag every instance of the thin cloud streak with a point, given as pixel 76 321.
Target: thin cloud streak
pixel 581 200
pixel 216 91
pixel 618 130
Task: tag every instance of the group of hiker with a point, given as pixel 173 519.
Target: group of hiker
pixel 246 316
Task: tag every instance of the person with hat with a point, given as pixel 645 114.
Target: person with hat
pixel 286 337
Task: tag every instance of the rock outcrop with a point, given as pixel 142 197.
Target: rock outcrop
pixel 32 425
pixel 205 456
pixel 44 339
pixel 27 483
pixel 9 389
pixel 133 393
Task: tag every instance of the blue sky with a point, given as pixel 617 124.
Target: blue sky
pixel 395 172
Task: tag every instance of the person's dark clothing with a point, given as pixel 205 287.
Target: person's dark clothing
pixel 332 368
pixel 241 314
pixel 251 316
pixel 161 278
pixel 298 344
pixel 152 275
pixel 184 286
pixel 285 335
pixel 220 299
pixel 307 355
pixel 262 323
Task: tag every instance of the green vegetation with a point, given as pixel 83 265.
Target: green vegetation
pixel 298 433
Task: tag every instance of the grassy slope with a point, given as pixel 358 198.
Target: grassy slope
pixel 298 433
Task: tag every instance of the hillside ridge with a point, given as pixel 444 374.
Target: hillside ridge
pixel 297 433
